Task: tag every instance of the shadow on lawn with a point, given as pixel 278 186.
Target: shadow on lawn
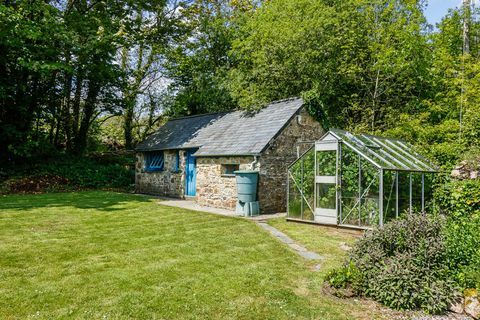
pixel 99 200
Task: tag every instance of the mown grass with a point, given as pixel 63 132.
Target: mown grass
pixel 330 242
pixel 92 255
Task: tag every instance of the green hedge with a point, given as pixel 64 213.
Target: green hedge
pixel 64 173
pixel 459 200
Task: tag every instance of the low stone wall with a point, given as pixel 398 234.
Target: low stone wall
pixel 168 182
pixel 215 189
pixel 467 170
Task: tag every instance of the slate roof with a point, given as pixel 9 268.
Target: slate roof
pixel 222 134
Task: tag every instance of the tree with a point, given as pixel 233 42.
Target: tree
pixel 143 57
pixel 447 127
pixel 59 69
pixel 199 61
pixel 362 61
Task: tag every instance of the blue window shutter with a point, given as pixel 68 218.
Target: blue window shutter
pixel 154 161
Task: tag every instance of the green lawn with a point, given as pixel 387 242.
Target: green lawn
pixel 104 255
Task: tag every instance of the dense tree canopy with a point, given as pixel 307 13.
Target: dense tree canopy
pixel 76 73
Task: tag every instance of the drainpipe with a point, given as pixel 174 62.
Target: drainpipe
pixel 254 163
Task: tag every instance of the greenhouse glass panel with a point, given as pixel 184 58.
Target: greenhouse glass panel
pixel 350 187
pixel 389 195
pixel 294 200
pixel 301 185
pixel 369 181
pixel 326 196
pixel 417 192
pixel 429 179
pixel 326 163
pixel 309 178
pixel 403 192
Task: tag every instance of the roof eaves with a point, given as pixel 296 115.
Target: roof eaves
pixel 207 155
pixel 165 149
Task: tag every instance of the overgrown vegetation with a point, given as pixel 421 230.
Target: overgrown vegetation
pixel 401 265
pixel 66 173
pixel 419 262
pixel 460 200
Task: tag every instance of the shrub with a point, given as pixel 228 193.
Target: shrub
pixel 402 265
pixel 343 277
pixel 463 251
pixel 459 200
pixel 71 173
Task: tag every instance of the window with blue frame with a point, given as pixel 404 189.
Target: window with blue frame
pixel 154 161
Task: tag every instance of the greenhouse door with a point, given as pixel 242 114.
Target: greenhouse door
pixel 325 182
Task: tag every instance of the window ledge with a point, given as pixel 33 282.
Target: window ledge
pixel 228 175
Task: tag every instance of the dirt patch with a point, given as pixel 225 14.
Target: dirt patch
pixel 36 184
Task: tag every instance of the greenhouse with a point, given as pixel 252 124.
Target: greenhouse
pixel 358 181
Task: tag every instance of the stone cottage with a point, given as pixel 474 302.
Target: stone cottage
pixel 196 156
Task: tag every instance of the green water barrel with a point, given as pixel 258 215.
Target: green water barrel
pixel 246 185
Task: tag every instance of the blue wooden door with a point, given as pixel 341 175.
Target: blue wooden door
pixel 190 174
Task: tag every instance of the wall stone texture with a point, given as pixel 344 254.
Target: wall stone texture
pixel 215 189
pixel 295 139
pixel 168 182
pixel 467 170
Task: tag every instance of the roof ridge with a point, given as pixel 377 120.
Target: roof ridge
pixel 234 110
pixel 283 100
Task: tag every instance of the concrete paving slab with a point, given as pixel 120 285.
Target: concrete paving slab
pixel 192 205
pixel 302 251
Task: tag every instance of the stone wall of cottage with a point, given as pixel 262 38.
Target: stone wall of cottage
pixel 169 182
pixel 283 150
pixel 215 189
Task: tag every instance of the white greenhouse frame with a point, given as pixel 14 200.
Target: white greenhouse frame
pixel 315 194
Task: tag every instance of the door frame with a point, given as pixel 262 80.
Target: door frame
pixel 190 159
pixel 326 215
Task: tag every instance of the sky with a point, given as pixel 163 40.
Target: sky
pixel 436 9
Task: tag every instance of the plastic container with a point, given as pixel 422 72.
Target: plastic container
pixel 246 185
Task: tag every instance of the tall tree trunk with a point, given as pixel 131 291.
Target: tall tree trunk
pixel 66 114
pixel 128 123
pixel 88 111
pixel 76 103
pixel 467 14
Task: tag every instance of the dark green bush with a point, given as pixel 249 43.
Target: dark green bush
pixel 463 251
pixel 71 173
pixel 402 265
pixel 459 200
